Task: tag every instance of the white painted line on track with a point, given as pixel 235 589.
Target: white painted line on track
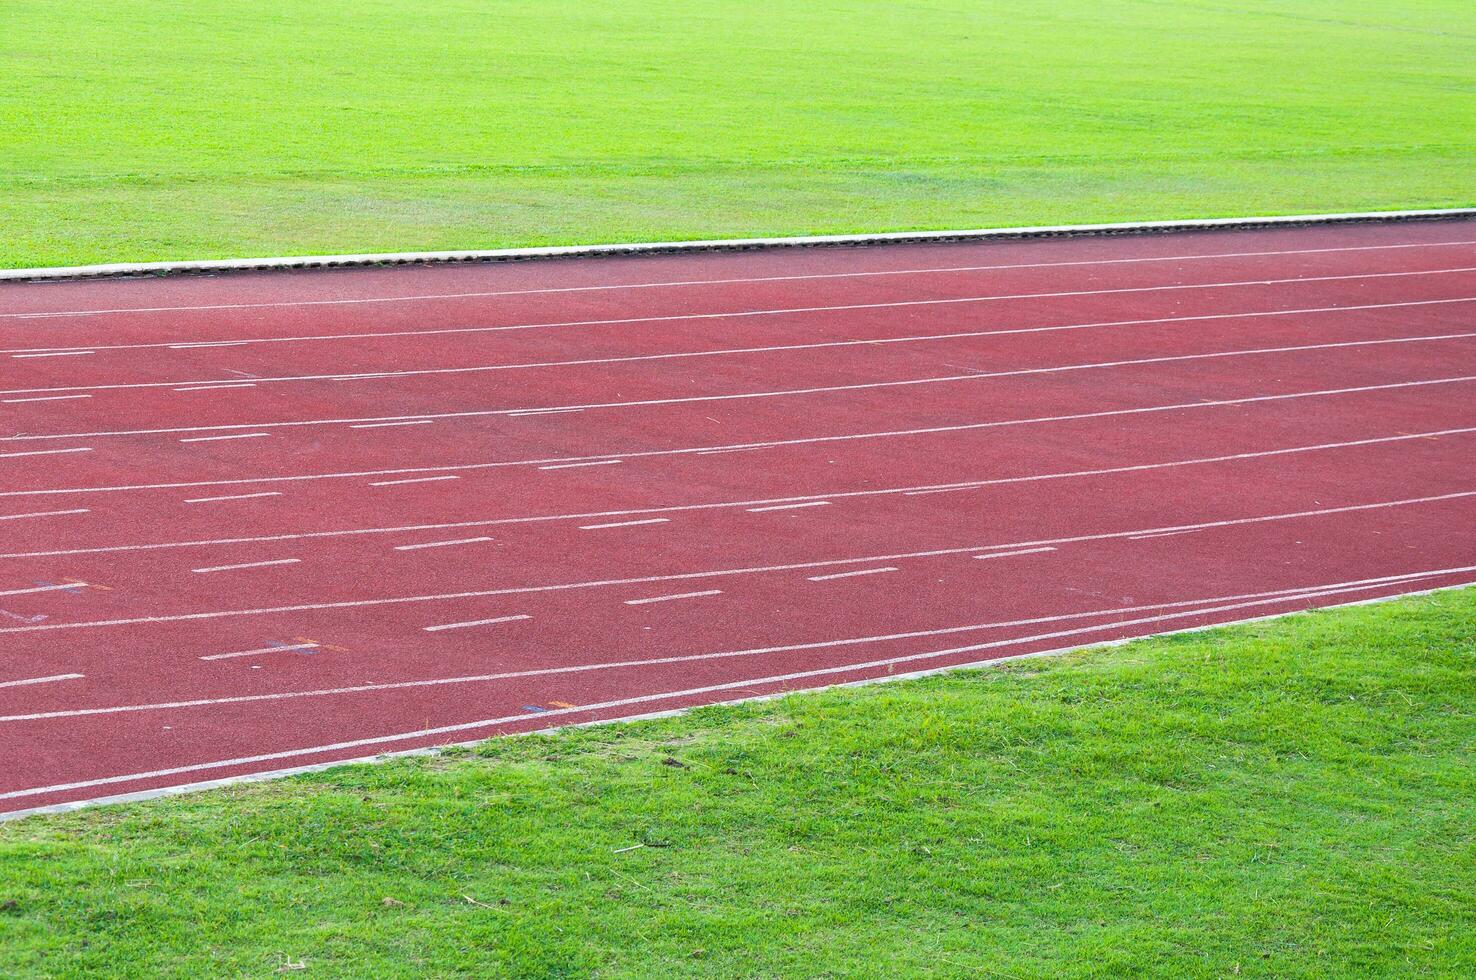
pixel 1012 554
pixel 42 680
pixel 600 527
pixel 386 425
pixel 206 343
pixel 422 297
pixel 46 398
pixel 232 386
pixel 1194 607
pixel 262 651
pixel 1160 534
pixel 523 413
pixel 789 392
pixel 240 435
pixel 718 505
pixel 808 503
pixel 730 572
pixel 779 348
pixel 864 571
pixel 46 588
pixel 570 466
pixel 234 496
pixel 55 353
pixel 45 452
pixel 669 598
pixel 475 622
pixel 439 544
pixel 43 513
pixel 421 479
pixel 252 564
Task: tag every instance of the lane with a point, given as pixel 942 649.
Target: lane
pixel 448 559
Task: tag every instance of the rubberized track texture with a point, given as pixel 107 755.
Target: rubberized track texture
pixel 259 522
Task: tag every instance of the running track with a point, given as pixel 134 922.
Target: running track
pixel 257 522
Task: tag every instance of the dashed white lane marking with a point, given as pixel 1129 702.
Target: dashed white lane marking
pixel 439 544
pixel 386 425
pixel 1195 607
pixel 44 398
pixel 864 571
pixel 44 452
pixel 240 435
pixel 729 572
pixel 43 513
pixel 744 447
pixel 570 466
pixel 471 623
pixel 787 392
pixel 262 651
pixel 1011 554
pixel 232 386
pixel 777 311
pixel 234 496
pixel 722 352
pixel 46 588
pixel 420 479
pixel 423 733
pixel 251 564
pixel 55 353
pixel 601 527
pixel 420 297
pixel 718 505
pixel 42 680
pixel 807 503
pixel 669 598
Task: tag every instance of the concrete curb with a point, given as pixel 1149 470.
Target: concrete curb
pixel 717 245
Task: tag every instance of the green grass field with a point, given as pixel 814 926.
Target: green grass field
pixel 134 130
pixel 1294 798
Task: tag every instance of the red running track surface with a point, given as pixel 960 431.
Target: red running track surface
pixel 258 522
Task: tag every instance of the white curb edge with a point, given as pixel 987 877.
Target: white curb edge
pixel 718 245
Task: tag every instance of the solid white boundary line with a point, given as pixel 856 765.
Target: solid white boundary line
pixel 726 244
pixel 259 777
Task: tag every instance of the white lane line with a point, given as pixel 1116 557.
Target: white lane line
pixel 728 351
pixel 466 727
pixel 241 435
pixel 421 479
pixel 1195 607
pixel 1160 534
pixel 570 466
pixel 42 680
pixel 220 387
pixel 46 588
pixel 251 564
pixel 669 598
pixel 791 392
pixel 262 651
pixel 55 353
pixel 234 496
pixel 693 282
pixel 808 503
pixel 864 571
pixel 385 425
pixel 205 343
pixel 600 527
pixel 44 452
pixel 439 544
pixel 1011 554
pixel 474 622
pixel 718 505
pixel 43 513
pixel 728 572
pixel 46 398
pixel 520 413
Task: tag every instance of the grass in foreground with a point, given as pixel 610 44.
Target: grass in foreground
pixel 133 130
pixel 1292 798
